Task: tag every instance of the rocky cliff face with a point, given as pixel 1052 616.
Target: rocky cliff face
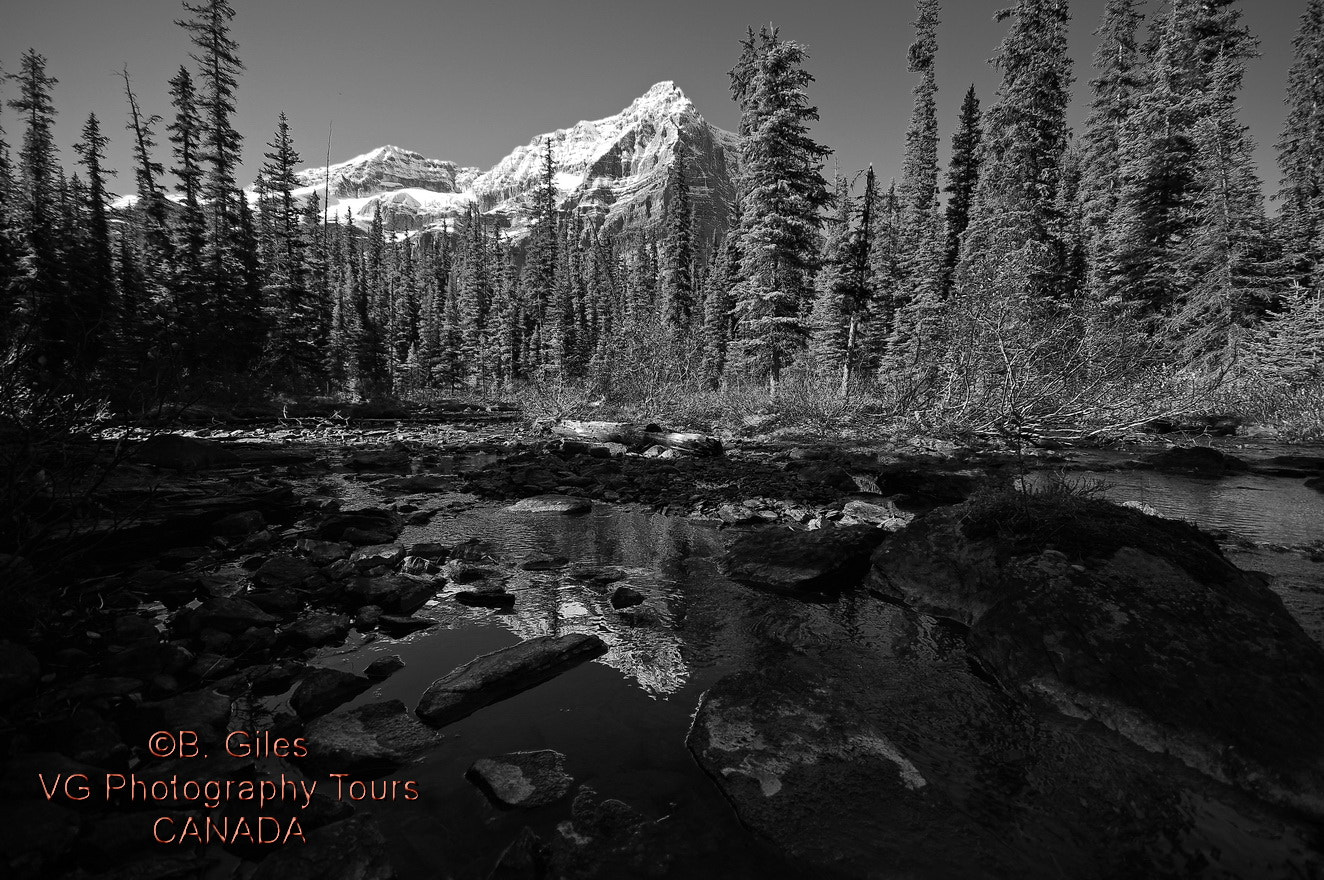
pixel 612 171
pixel 384 169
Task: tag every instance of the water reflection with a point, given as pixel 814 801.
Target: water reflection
pixel 1274 509
pixel 657 555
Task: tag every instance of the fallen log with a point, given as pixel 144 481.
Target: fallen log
pixel 637 437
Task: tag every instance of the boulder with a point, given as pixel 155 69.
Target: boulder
pixel 374 555
pixel 392 593
pixel 323 552
pixel 504 673
pixel 226 615
pixel 563 504
pixel 492 597
pixel 284 570
pixel 397 626
pixel 322 690
pixel 375 739
pixel 880 512
pixel 1138 622
pixel 384 667
pixel 317 629
pixel 905 763
pixel 369 525
pixel 522 779
pixel 802 563
pixel 205 711
pixel 626 597
pixel 351 849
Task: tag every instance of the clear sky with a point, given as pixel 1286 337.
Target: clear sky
pixel 469 81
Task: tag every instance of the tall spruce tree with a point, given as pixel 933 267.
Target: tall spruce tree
pixel 1301 149
pixel 782 192
pixel 230 305
pixel 1118 82
pixel 1025 135
pixel 678 289
pixel 962 180
pixel 93 301
pixel 922 239
pixel 39 282
pixel 184 315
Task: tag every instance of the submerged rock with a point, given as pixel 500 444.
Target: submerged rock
pixel 492 597
pixel 522 779
pixel 820 561
pixel 1137 622
pixel 322 690
pixel 317 629
pixel 504 673
pixel 563 504
pixel 626 597
pixel 284 570
pixel 373 739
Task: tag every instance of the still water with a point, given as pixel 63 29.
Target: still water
pixel 621 721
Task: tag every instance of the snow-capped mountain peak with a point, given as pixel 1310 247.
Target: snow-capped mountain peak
pixel 612 170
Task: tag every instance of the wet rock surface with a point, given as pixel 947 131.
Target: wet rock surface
pixel 562 504
pixel 371 740
pixel 1137 622
pixel 502 673
pixel 878 765
pixel 522 779
pixel 822 561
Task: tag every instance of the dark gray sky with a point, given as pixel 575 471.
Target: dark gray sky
pixel 469 81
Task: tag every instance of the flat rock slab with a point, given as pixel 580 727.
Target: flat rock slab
pixel 522 779
pixel 567 505
pixel 870 766
pixel 1137 622
pixel 504 673
pixel 785 561
pixel 371 740
pixel 324 689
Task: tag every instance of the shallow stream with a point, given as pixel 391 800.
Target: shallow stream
pixel 621 721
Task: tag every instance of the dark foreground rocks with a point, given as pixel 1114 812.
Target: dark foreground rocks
pixel 504 673
pixel 1137 622
pixel 352 849
pixel 369 740
pixel 886 764
pixel 522 779
pixel 784 561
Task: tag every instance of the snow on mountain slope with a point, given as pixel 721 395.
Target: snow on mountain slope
pixel 611 170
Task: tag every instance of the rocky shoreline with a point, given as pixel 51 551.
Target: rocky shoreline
pixel 1116 674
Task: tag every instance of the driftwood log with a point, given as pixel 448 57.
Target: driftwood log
pixel 638 437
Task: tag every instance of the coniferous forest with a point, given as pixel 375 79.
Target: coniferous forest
pixel 1089 278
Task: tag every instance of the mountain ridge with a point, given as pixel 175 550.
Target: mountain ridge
pixel 611 170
